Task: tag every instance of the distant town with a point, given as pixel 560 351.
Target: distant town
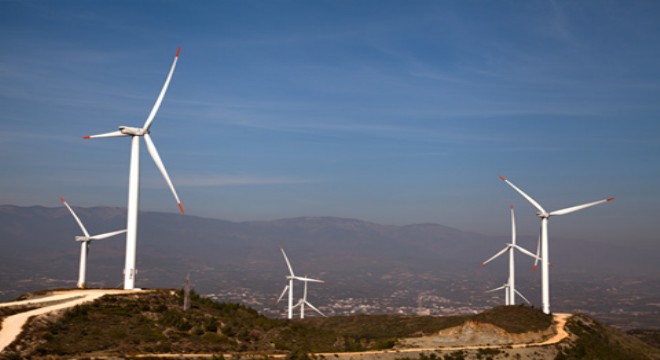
pixel 627 305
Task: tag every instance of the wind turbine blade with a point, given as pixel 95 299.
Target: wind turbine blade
pixel 314 308
pixel 526 252
pixel 154 110
pixel 496 255
pixel 538 252
pixel 82 227
pixel 298 304
pixel 524 298
pixel 579 207
pixel 159 163
pixel 288 264
pixel 527 197
pixel 499 288
pixel 105 135
pixel 107 235
pixel 306 279
pixel 281 296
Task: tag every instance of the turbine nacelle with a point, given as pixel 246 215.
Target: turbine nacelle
pixel 133 131
pixel 542 214
pixel 82 238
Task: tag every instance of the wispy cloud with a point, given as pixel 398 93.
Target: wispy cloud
pixel 238 180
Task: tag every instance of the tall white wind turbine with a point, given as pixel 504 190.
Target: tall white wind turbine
pixel 84 244
pixel 289 287
pixel 303 301
pixel 544 215
pixel 134 176
pixel 511 248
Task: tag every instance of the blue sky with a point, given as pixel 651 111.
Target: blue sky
pixel 395 112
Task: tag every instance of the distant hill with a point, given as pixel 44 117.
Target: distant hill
pixel 38 241
pixel 358 259
pixel 154 322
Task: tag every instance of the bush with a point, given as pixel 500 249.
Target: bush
pixel 298 354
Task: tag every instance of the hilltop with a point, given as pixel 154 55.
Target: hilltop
pixel 153 322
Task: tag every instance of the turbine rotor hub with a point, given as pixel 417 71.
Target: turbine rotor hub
pixel 542 214
pixel 133 131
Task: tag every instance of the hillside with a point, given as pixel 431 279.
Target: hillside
pixel 154 322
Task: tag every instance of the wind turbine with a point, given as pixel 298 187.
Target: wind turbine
pixel 134 176
pixel 507 294
pixel 84 244
pixel 544 215
pixel 303 301
pixel 289 287
pixel 511 248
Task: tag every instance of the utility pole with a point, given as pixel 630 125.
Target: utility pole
pixel 186 293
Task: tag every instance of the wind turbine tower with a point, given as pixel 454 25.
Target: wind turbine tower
pixel 186 293
pixel 134 176
pixel 544 215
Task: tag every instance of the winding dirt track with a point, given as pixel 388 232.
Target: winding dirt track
pixel 13 325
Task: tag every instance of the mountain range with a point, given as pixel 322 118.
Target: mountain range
pixel 387 267
pixel 38 242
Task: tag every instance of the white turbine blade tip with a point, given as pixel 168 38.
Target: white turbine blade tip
pixel 314 308
pixel 107 235
pixel 288 264
pixel 282 295
pixel 105 135
pixel 159 100
pixel 497 255
pixel 159 164
pixel 579 207
pixel 73 213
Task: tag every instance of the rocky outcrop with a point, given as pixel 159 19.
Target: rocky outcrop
pixel 473 333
